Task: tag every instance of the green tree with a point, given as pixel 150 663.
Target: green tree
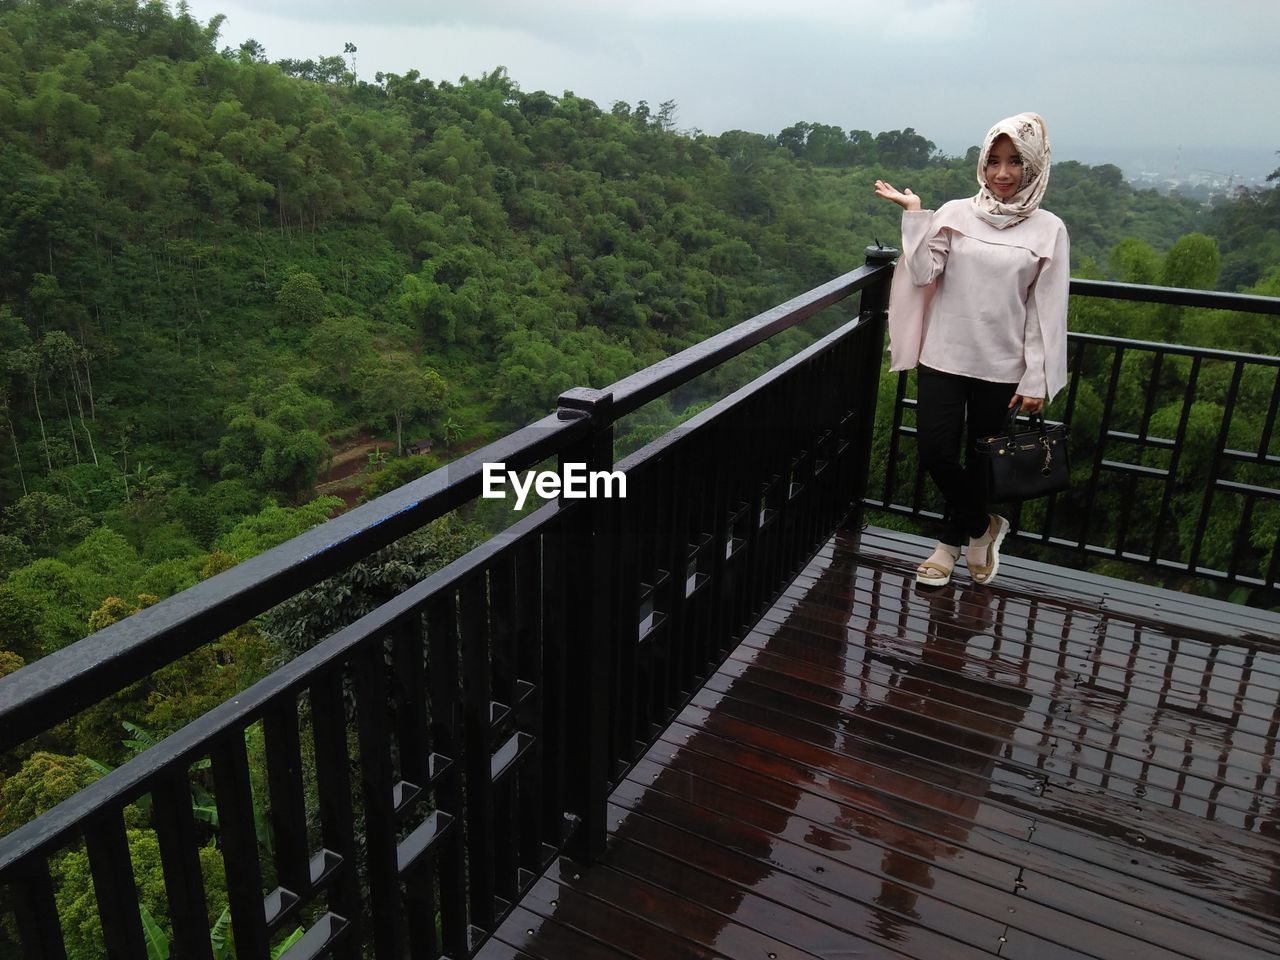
pixel 395 474
pixel 42 782
pixel 59 598
pixel 6 420
pixel 18 624
pixel 78 906
pixel 395 387
pixel 531 376
pixel 271 526
pixel 27 363
pixel 10 662
pixel 301 299
pixel 1192 262
pixel 299 623
pixel 1134 261
pixel 272 439
pixel 904 148
pixel 63 356
pixel 46 522
pixel 340 345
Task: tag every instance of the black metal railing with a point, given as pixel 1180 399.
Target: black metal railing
pixel 1174 453
pixel 394 789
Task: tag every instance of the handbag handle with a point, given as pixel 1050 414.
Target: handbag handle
pixel 1036 419
pixel 1037 422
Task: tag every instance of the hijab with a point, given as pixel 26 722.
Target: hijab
pixel 1029 137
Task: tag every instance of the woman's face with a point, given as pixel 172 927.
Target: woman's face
pixel 1004 168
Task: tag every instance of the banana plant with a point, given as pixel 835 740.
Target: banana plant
pixel 203 805
pixel 157 942
pixel 219 937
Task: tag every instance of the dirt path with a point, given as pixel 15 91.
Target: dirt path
pixel 352 460
pixel 343 478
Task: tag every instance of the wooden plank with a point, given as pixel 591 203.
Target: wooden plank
pixel 933 898
pixel 937 757
pixel 1239 817
pixel 1103 643
pixel 908 860
pixel 115 888
pixel 1257 840
pixel 36 912
pixel 541 938
pixel 754 891
pixel 239 842
pixel 901 552
pixel 1052 676
pixel 495 949
pixel 638 929
pixel 973 850
pixel 688 917
pixel 803 846
pixel 373 728
pixel 1243 744
pixel 1194 865
pixel 1161 618
pixel 957 702
pixel 891 600
pixel 180 854
pixel 337 816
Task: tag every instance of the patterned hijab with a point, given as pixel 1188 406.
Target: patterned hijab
pixel 1029 137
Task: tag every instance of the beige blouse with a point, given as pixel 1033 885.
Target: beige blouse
pixel 971 299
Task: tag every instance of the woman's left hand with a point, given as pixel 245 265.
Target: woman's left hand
pixel 1030 405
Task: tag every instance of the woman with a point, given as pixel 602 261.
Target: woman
pixel 979 304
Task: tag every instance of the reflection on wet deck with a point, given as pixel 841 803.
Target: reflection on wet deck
pixel 1060 765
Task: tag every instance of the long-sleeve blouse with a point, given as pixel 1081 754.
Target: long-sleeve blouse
pixel 971 299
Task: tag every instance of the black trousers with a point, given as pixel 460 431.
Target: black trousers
pixel 946 404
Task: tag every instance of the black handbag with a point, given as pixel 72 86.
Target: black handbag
pixel 1027 464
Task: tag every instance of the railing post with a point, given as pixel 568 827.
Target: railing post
pixel 874 309
pixel 590 634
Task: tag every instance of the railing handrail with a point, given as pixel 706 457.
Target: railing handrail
pixel 1176 296
pixel 634 391
pixel 60 684
pixel 726 403
pixel 1176 349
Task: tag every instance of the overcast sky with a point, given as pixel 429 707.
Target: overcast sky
pixel 1114 79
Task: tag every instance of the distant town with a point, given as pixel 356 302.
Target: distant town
pixel 1204 185
pixel 1204 175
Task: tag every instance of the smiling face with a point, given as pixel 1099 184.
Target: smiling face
pixel 1004 171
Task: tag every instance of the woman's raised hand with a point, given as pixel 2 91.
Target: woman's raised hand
pixel 903 198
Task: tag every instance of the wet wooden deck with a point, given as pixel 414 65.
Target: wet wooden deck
pixel 1059 765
